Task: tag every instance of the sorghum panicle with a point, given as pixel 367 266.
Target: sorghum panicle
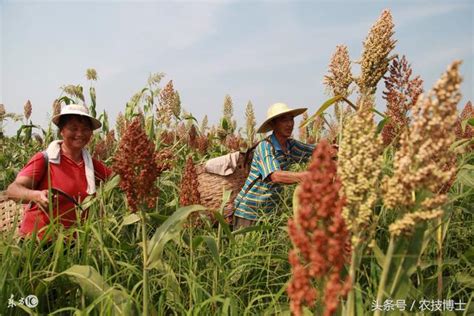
pixel 234 142
pixel 192 137
pixel 189 193
pixel 424 151
pixel 204 123
pixel 91 74
pixel 166 104
pixel 202 143
pixel 56 107
pixel 105 147
pixel 27 108
pixel 406 224
pixel 250 123
pixel 375 59
pixel 401 94
pixel 467 113
pixel 164 160
pixel 303 130
pixel 120 124
pixel 228 108
pixel 319 235
pixel 167 137
pixel 359 165
pixel 340 77
pixel 315 129
pixel 74 91
pixel 135 163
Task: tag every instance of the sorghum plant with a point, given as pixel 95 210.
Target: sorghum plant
pixel 250 123
pixel 204 125
pixel 136 165
pixel 340 77
pixel 401 94
pixel 421 168
pixel 424 145
pixel 167 101
pixel 27 108
pixel 303 130
pixel 319 234
pixel 359 167
pixel 104 148
pixel 189 193
pixel 467 113
pixel 56 107
pixel 359 164
pixel 375 59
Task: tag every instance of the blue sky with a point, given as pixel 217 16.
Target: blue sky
pixel 266 52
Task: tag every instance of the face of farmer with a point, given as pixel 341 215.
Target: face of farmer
pixel 283 125
pixel 76 132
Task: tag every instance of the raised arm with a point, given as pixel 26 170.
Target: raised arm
pixel 22 190
pixel 287 177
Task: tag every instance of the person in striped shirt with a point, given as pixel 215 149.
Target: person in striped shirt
pixel 270 164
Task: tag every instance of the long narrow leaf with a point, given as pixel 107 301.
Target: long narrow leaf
pixel 170 229
pixel 321 110
pixel 94 286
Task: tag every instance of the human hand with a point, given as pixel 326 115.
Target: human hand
pixel 41 198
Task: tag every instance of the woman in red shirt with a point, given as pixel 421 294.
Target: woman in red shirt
pixel 71 170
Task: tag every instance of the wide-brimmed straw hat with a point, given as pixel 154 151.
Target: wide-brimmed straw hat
pixel 276 110
pixel 76 109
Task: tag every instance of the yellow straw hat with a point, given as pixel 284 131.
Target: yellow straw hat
pixel 275 111
pixel 76 109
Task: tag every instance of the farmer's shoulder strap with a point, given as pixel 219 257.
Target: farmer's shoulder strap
pixel 258 143
pixel 54 190
pixel 45 171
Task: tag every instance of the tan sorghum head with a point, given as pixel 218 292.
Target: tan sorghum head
pixel 375 59
pixel 27 109
pixel 407 223
pixel 425 144
pixel 359 166
pixel 340 77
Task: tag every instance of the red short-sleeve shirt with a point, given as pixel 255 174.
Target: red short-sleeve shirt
pixel 67 176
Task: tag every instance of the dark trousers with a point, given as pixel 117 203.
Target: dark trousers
pixel 240 222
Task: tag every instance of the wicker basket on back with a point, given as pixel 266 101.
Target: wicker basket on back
pixel 10 213
pixel 211 185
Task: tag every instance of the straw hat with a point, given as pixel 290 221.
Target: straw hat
pixel 276 110
pixel 76 109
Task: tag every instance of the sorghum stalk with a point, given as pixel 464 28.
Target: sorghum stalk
pixel 146 291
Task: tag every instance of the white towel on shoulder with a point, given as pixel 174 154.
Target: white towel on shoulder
pixel 54 157
pixel 223 165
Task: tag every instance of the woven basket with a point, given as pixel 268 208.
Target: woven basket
pixel 10 213
pixel 211 186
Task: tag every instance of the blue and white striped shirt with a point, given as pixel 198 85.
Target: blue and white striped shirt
pixel 263 194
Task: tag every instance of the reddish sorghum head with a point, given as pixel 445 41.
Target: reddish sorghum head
pixel 135 163
pixel 189 193
pixel 402 92
pixel 468 131
pixel 104 148
pixel 319 235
